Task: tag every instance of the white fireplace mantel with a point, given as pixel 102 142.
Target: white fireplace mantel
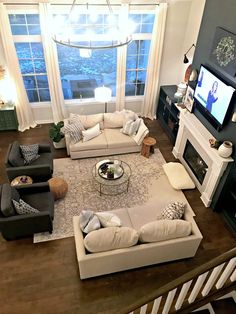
pixel 191 129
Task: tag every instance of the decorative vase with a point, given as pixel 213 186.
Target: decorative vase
pixel 225 150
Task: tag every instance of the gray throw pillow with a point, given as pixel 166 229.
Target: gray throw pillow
pixel 174 210
pixel 15 157
pixel 88 221
pixel 30 153
pixel 23 208
pixel 8 194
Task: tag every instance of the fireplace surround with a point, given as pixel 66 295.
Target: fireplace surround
pixel 192 148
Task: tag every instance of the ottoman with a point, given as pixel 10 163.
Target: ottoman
pixel 58 187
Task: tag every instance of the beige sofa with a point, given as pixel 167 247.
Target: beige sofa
pixel 111 141
pixel 95 264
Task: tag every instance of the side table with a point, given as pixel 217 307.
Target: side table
pixel 148 146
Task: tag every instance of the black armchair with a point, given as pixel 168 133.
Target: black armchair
pixel 16 226
pixel 39 170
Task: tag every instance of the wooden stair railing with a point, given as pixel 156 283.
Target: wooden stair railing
pixel 192 290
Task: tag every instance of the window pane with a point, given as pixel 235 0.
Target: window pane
pixel 142 62
pixel 32 95
pixel 130 90
pixel 148 18
pixel 23 50
pixel 142 76
pixel 26 66
pixel 133 47
pixel 42 81
pixel 131 62
pixel 40 66
pixel 37 50
pixel 145 46
pixel 131 76
pixel 34 29
pixel 140 89
pixel 146 28
pixel 17 19
pixel 80 76
pixel 32 19
pixel 44 95
pixel 29 82
pixel 19 30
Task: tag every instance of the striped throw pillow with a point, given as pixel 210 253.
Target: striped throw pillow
pixel 74 130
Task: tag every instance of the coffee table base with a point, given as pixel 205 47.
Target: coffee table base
pixel 111 190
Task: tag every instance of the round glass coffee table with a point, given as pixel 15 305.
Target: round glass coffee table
pixel 111 177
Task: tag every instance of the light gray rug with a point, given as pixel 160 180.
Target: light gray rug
pixel 82 194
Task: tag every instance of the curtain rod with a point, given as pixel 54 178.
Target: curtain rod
pixel 97 4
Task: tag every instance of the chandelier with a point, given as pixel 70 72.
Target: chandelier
pixel 71 32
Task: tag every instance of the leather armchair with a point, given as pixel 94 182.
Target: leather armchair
pixel 37 195
pixel 39 170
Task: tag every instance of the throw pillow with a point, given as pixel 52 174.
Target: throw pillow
pixel 173 210
pixel 108 219
pixel 74 130
pixel 129 115
pixel 23 208
pixel 110 239
pixel 91 133
pixel 161 230
pixel 30 153
pixel 88 221
pixel 8 194
pixel 15 157
pixel 113 120
pixel 88 121
pixel 131 127
pixel 142 132
pixel 178 176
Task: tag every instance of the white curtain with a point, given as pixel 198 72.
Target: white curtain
pixel 50 54
pixel 154 62
pixel 23 109
pixel 120 90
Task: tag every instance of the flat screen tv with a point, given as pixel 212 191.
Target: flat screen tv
pixel 213 95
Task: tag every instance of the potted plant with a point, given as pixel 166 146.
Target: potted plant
pixel 56 135
pixel 110 173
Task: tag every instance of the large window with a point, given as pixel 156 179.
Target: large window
pixel 81 71
pixel 80 76
pixel 29 49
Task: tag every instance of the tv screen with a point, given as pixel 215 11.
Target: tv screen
pixel 213 94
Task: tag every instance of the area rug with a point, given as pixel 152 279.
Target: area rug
pixel 83 195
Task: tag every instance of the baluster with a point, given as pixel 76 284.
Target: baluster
pixel 212 279
pixel 197 287
pixel 226 273
pixel 233 276
pixel 143 309
pixel 182 294
pixel 156 305
pixel 169 300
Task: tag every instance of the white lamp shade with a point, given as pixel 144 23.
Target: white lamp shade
pixel 102 94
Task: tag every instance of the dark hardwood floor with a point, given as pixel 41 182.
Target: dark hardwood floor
pixel 44 277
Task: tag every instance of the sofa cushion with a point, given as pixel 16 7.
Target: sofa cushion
pixel 91 133
pixel 178 176
pixel 113 120
pixel 110 238
pixel 98 142
pixel 161 230
pixel 116 139
pixel 15 157
pixel 109 219
pixel 89 121
pixel 8 194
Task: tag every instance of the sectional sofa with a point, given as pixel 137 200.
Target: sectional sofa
pixel 111 141
pixel 142 254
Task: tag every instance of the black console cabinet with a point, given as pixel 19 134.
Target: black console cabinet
pixel 167 112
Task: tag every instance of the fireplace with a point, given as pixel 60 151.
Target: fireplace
pixel 195 162
pixel 202 162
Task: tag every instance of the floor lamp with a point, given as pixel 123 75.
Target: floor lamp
pixel 103 94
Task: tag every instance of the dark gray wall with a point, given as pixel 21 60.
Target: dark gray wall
pixel 217 13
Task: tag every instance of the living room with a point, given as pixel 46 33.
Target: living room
pixel 45 276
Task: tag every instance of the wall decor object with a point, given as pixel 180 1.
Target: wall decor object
pixel 188 100
pixel 223 51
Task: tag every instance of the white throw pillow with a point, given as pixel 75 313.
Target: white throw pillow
pixel 131 127
pixel 110 239
pixel 88 121
pixel 108 219
pixel 161 230
pixel 178 176
pixel 129 115
pixel 91 133
pixel 113 120
pixel 142 132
